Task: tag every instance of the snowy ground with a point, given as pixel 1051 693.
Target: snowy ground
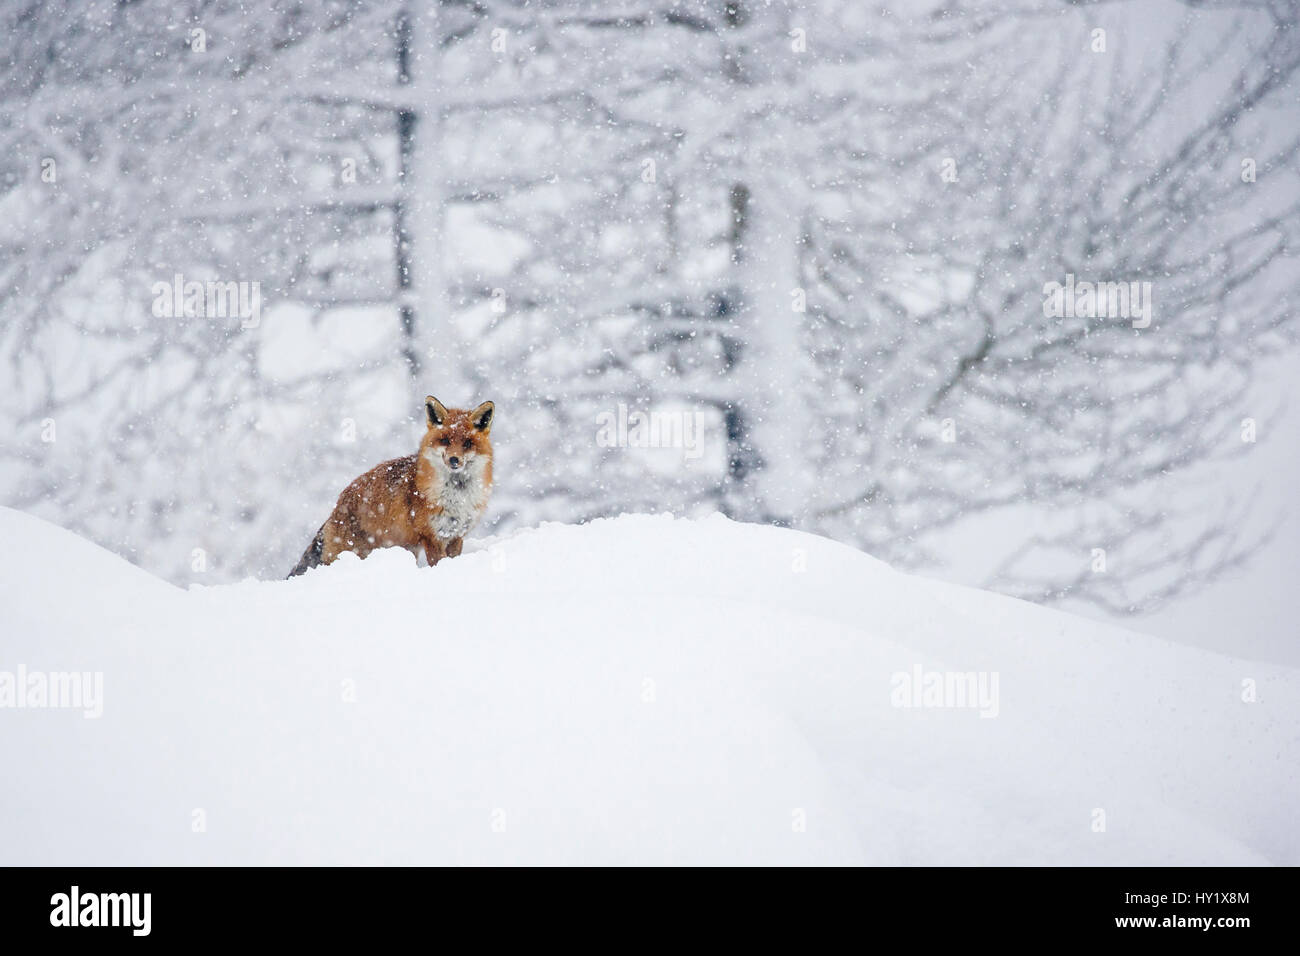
pixel 637 690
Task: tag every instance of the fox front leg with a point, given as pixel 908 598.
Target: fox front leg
pixel 454 547
pixel 433 550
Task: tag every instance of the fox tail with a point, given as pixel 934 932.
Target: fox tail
pixel 312 556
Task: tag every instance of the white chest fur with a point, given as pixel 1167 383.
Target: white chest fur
pixel 462 499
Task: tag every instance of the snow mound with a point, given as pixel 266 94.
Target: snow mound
pixel 634 690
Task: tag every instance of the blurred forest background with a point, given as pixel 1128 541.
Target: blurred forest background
pixel 822 229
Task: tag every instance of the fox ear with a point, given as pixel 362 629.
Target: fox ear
pixel 435 410
pixel 482 417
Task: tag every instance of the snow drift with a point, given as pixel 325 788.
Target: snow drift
pixel 635 690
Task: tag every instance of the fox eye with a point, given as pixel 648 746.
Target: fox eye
pixel 469 443
pixel 444 441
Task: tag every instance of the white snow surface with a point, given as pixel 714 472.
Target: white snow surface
pixel 638 690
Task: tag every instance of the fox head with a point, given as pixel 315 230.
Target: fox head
pixel 456 442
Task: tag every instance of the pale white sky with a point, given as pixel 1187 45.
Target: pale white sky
pixel 1252 612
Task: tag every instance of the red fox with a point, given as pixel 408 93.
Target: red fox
pixel 428 500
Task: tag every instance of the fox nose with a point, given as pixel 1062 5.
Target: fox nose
pixel 453 461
